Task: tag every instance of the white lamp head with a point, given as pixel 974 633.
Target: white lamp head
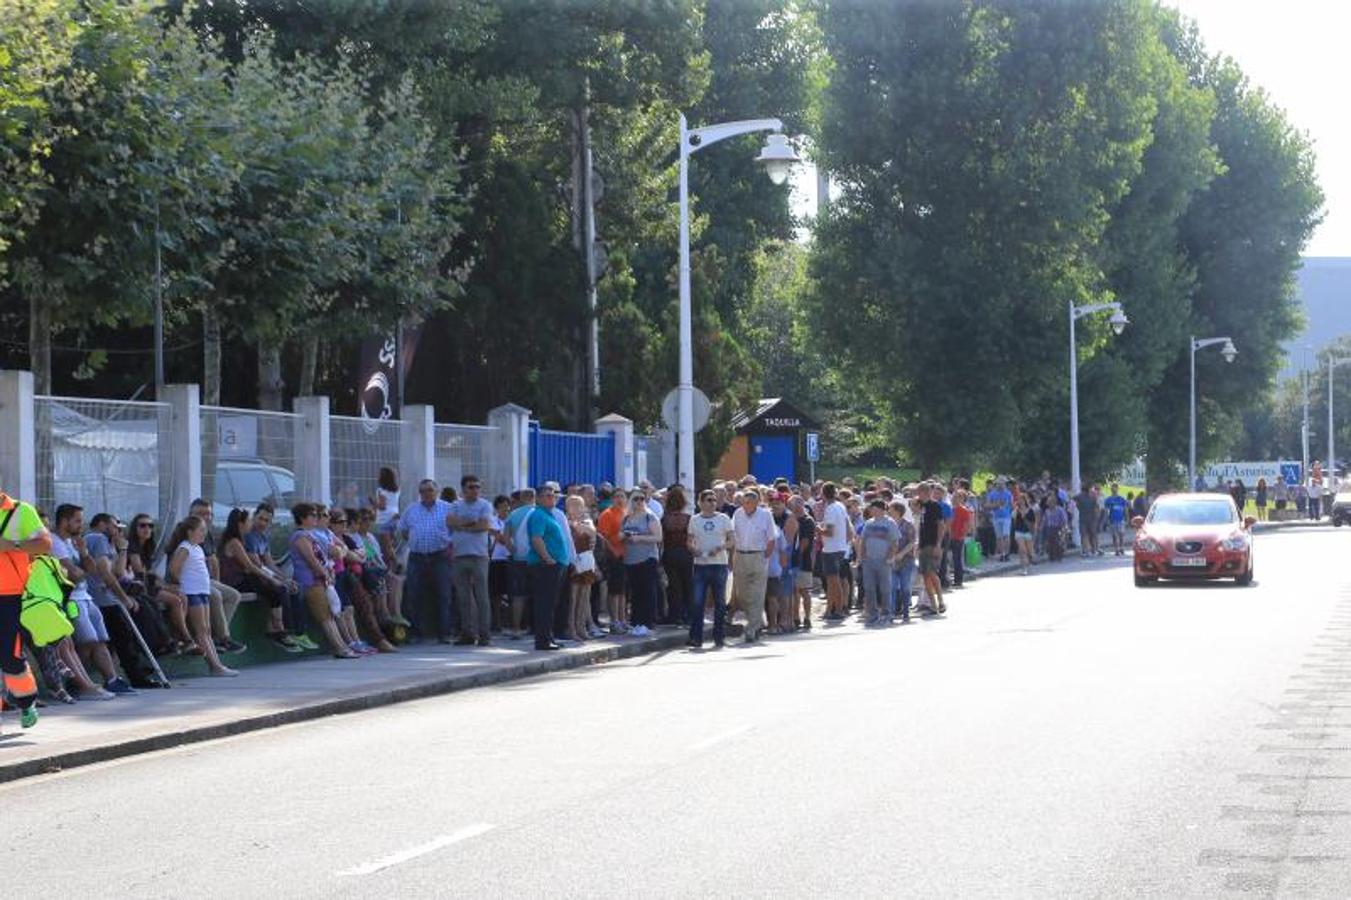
pixel 1228 351
pixel 1118 322
pixel 778 157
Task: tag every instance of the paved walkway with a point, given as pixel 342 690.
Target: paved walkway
pixel 265 696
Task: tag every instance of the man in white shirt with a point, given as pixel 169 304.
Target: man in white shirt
pixel 711 536
pixel 834 525
pixel 754 537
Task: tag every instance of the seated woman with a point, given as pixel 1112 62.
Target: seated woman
pixel 314 578
pixel 239 571
pixel 352 585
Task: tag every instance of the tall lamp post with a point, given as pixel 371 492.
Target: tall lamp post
pixel 1228 351
pixel 1304 426
pixel 778 158
pixel 1118 323
pixel 1333 363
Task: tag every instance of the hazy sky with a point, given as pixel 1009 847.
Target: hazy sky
pixel 1297 51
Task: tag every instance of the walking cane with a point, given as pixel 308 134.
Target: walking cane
pixel 145 648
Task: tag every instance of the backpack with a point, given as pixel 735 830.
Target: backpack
pixel 46 610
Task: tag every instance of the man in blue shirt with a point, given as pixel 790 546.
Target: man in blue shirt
pixel 1117 507
pixel 469 523
pixel 426 527
pixel 548 558
pixel 999 503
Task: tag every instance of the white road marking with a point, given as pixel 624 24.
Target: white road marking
pixel 403 856
pixel 719 738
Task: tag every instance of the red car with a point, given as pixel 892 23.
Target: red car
pixel 1193 537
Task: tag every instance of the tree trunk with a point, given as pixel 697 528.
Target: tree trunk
pixel 270 381
pixel 309 361
pixel 40 345
pixel 210 358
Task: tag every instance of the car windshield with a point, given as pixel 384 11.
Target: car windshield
pixel 1193 512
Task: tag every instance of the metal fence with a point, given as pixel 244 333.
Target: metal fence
pixel 471 450
pixel 250 456
pixel 358 448
pixel 568 457
pixel 105 455
pixel 650 462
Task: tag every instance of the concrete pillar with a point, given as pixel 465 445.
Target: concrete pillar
pixel 313 452
pixel 512 452
pixel 185 446
pixel 18 431
pixel 622 429
pixel 417 445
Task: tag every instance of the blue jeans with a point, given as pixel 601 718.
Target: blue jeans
pixel 709 578
pixel 429 583
pixel 901 581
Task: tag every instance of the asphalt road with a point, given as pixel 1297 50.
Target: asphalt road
pixel 1063 734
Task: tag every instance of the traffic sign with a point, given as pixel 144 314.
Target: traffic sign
pixel 813 446
pixel 670 409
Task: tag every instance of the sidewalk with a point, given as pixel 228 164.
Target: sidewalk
pixel 265 696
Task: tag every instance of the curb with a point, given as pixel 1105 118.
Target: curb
pixel 339 705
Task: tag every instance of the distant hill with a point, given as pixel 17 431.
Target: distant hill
pixel 1325 292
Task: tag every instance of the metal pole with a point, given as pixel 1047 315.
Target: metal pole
pixel 1074 409
pixel 685 432
pixel 1191 450
pixel 589 239
pixel 1331 466
pixel 159 311
pixel 1304 429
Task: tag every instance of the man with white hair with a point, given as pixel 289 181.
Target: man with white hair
pixel 755 535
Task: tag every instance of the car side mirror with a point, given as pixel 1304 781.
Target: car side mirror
pixel 1137 522
pixel 1249 522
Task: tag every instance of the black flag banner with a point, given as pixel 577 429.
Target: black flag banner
pixel 385 363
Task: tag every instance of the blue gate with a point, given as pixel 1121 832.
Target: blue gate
pixel 567 457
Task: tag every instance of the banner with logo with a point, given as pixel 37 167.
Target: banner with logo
pixel 1250 472
pixel 382 377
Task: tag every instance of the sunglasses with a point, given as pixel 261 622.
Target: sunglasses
pixel 337 521
pixel 145 524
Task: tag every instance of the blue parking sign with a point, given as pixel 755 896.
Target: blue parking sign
pixel 813 446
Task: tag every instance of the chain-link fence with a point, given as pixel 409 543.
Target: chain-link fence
pixel 358 448
pixel 471 450
pixel 650 462
pixel 250 456
pixel 105 455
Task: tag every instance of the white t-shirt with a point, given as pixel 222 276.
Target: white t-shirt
pixel 838 519
pixel 753 533
pixel 710 539
pixel 386 515
pixel 499 551
pixel 62 549
pixel 194 578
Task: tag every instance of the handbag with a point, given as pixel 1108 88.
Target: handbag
pixel 585 562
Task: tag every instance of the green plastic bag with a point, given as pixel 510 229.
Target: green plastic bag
pixel 973 555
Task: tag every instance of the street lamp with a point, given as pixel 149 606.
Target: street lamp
pixel 1118 321
pixel 778 158
pixel 1333 363
pixel 1228 351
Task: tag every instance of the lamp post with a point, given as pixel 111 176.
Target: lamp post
pixel 1304 426
pixel 1118 323
pixel 778 158
pixel 1228 351
pixel 1333 363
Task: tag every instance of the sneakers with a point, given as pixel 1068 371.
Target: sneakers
pixel 362 648
pixel 305 642
pixel 640 631
pixel 119 686
pixel 286 642
pixel 28 717
pixel 230 645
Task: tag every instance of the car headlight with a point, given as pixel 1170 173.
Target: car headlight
pixel 1235 543
pixel 1147 545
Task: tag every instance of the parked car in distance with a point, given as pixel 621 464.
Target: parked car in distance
pixel 1341 509
pixel 245 483
pixel 1192 537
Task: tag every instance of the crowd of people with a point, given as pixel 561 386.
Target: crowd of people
pixel 556 564
pixel 1311 498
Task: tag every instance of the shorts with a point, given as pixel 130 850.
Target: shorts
pixel 832 563
pixel 195 600
pixel 499 578
pixel 89 627
pixel 1001 527
pixel 335 604
pixel 518 578
pixel 616 579
pixel 1117 527
pixel 1022 535
pixel 928 560
pixel 388 528
pixel 805 579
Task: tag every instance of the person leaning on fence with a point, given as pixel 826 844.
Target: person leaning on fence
pixel 425 526
pixel 22 537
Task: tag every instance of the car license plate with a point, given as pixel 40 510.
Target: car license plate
pixel 1189 561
